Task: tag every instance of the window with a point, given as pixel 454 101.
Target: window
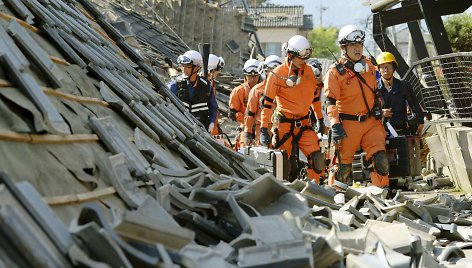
pixel 272 48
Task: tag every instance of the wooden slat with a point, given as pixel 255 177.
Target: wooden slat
pixel 23 23
pixel 46 138
pixel 80 99
pixel 82 197
pixel 59 60
pixel 88 196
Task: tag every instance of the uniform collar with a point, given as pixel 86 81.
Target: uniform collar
pixel 396 84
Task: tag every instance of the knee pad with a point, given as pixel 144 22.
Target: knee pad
pixel 317 160
pixel 381 163
pixel 345 170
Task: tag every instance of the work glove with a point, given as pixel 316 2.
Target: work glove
pixel 338 132
pixel 319 126
pixel 247 138
pixel 210 127
pixel 265 137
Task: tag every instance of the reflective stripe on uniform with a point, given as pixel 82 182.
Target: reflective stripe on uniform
pixel 199 109
pixel 197 105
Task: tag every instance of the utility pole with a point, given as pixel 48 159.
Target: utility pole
pixel 322 8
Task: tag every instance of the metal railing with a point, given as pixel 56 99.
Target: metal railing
pixel 443 84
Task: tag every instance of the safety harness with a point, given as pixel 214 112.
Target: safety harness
pixel 294 156
pixel 360 118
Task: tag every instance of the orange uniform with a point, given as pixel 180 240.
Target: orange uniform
pixel 291 115
pixel 237 105
pixel 362 129
pixel 252 119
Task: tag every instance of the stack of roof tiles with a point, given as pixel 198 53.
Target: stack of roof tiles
pixel 102 167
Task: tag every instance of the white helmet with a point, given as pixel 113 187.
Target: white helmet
pixel 251 66
pixel 191 57
pixel 221 63
pixel 351 34
pixel 213 61
pixel 298 46
pixel 271 62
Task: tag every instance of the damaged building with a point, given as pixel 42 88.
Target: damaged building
pixel 102 166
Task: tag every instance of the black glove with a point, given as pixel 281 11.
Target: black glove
pixel 319 126
pixel 247 138
pixel 265 137
pixel 338 132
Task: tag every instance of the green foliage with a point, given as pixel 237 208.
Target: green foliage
pixel 323 37
pixel 459 31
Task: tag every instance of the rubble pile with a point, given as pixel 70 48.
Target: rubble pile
pixel 103 167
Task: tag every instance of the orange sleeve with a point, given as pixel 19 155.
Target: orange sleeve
pixel 241 109
pixel 232 98
pixel 270 91
pixel 252 103
pixel 332 90
pixel 236 103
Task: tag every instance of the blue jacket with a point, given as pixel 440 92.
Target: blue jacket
pixel 399 99
pixel 206 91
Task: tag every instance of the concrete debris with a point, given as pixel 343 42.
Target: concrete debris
pixel 295 253
pixel 156 189
pixel 364 261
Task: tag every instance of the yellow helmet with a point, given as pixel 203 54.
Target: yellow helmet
pixel 385 57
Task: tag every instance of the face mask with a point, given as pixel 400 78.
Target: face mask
pixel 290 81
pixel 293 80
pixel 361 67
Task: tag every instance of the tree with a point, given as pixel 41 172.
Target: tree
pixel 459 31
pixel 321 39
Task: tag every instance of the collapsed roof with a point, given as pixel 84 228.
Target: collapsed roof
pixel 102 167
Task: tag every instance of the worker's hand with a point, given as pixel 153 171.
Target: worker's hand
pixel 265 137
pixel 248 138
pixel 210 127
pixel 419 131
pixel 387 113
pixel 338 132
pixel 319 126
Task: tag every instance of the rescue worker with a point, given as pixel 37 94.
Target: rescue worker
pixel 239 97
pixel 353 108
pixel 215 65
pixel 194 91
pixel 399 106
pixel 318 124
pixel 292 86
pixel 252 119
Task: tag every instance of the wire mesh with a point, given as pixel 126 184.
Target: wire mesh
pixel 443 84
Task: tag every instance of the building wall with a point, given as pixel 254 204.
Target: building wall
pixel 272 38
pixel 196 22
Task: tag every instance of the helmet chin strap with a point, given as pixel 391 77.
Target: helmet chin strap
pixel 192 73
pixel 347 56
